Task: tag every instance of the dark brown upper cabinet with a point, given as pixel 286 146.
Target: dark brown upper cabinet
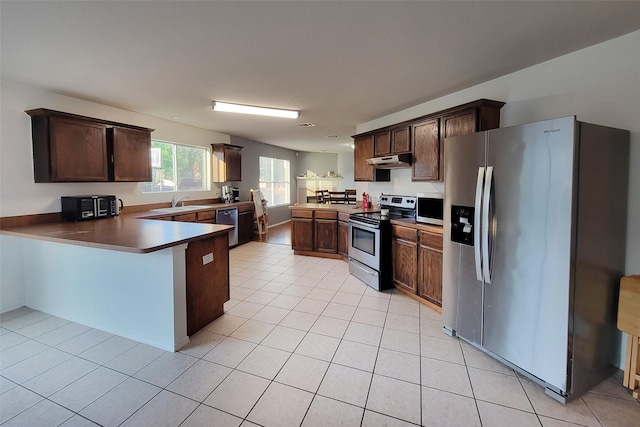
pixel 72 148
pixel 426 151
pixel 382 144
pixel 131 154
pixel 227 162
pixel 362 171
pixel 424 137
pixel 394 141
pixel 401 140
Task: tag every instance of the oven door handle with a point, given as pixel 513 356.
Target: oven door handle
pixel 362 224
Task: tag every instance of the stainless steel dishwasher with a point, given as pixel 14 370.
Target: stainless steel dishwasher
pixel 229 216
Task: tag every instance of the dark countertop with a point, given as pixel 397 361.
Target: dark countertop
pixel 126 232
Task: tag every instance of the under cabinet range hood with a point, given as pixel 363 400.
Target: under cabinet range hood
pixel 395 161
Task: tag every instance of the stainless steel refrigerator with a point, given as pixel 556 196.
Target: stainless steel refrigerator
pixel 534 248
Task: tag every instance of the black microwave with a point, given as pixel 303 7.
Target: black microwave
pixel 430 208
pixel 78 208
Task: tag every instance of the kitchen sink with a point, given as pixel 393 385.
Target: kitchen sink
pixel 181 208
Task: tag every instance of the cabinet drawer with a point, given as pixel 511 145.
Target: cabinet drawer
pixel 300 213
pixel 405 233
pixel 326 215
pixel 206 215
pixel 433 240
pixel 185 218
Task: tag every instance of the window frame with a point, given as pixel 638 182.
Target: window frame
pixel 263 184
pixel 206 174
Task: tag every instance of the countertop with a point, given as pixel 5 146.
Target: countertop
pixel 126 232
pixel 409 222
pixel 333 207
pixel 162 212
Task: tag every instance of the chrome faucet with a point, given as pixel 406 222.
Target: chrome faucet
pixel 174 201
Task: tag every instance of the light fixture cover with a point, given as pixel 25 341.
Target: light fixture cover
pixel 249 109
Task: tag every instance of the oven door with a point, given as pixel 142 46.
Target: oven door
pixel 364 244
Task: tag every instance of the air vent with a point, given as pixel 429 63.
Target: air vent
pixel 306 125
pixel 332 136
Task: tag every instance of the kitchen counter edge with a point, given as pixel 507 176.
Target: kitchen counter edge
pixel 329 207
pixel 412 223
pixel 125 233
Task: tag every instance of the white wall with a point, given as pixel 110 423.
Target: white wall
pixel 21 196
pixel 599 84
pixel 315 163
pixel 345 169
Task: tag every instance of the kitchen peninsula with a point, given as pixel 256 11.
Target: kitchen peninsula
pixel 127 275
pixel 321 229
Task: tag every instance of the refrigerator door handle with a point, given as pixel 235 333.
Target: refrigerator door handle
pixel 486 209
pixel 477 222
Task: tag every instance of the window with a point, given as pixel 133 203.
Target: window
pixel 274 181
pixel 177 168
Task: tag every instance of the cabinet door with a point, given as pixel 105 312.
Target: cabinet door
pixel 207 264
pixel 326 235
pixel 131 155
pixel 233 159
pixel 245 227
pixel 426 151
pixel 226 163
pixel 343 238
pixel 462 123
pixel 405 255
pixel 401 140
pixel 78 151
pixel 382 144
pixel 430 274
pixel 363 150
pixel 302 234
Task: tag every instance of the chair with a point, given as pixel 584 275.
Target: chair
pixel 350 197
pixel 261 214
pixel 322 196
pixel 337 197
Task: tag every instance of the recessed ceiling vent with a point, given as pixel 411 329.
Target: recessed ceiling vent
pixel 332 136
pixel 306 125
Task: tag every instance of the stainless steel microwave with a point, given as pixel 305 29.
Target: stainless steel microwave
pixel 430 208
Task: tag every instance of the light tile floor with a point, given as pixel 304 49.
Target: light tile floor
pixel 302 343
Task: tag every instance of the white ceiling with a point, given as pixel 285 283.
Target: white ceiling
pixel 339 63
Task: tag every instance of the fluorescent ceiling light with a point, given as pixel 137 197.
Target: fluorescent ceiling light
pixel 248 109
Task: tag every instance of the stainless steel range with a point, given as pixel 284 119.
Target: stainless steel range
pixel 370 240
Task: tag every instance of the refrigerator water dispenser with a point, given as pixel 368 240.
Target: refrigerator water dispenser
pixel 462 224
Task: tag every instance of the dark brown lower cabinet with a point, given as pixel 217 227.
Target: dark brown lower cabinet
pixel 430 267
pixel 430 274
pixel 343 237
pixel 417 262
pixel 302 234
pixel 405 254
pixel 325 229
pixel 245 227
pixel 207 264
pixel 326 235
